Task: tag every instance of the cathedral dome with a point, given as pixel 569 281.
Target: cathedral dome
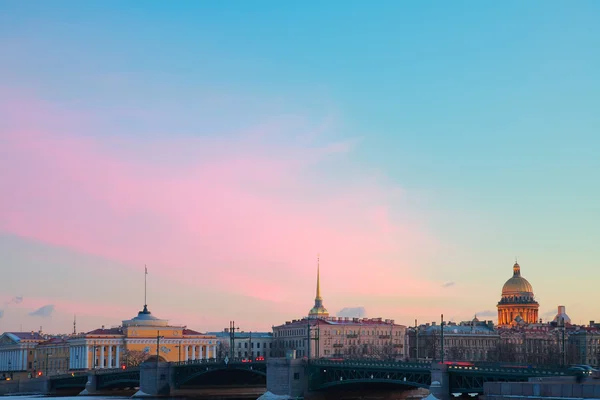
pixel 517 285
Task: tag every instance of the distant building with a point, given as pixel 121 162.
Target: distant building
pixel 52 357
pixel 585 343
pixel 466 341
pixel 141 337
pixel 333 337
pixel 246 344
pixel 517 304
pixel 17 352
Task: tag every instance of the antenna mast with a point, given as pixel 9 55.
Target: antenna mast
pixel 145 284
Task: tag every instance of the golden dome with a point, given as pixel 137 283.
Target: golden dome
pixel 517 285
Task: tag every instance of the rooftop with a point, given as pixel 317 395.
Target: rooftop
pixel 341 321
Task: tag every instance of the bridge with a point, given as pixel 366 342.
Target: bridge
pixel 324 374
pixel 316 375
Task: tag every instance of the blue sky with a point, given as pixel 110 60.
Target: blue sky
pixel 484 116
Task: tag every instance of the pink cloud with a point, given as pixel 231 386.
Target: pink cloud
pixel 248 212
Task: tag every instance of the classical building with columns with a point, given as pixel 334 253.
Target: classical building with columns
pixel 145 336
pixel 517 304
pixel 17 352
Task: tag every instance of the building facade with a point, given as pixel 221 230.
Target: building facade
pixel 517 304
pixel 337 337
pixel 320 335
pixel 52 357
pixel 17 352
pixel 246 345
pixel 137 339
pixel 466 341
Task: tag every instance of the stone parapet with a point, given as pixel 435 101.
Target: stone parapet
pixel 541 390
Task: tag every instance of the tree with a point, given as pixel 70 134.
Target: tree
pixel 432 345
pixel 133 358
pixel 222 350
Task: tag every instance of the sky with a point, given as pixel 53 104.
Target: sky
pixel 416 148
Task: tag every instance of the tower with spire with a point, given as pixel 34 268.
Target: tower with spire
pixel 318 311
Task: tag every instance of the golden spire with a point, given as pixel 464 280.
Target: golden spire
pixel 318 281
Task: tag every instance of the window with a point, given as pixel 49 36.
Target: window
pixel 296 376
pixel 246 345
pixel 258 345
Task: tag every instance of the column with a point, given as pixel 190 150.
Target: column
pixel 102 356
pixel 110 356
pixel 24 360
pixel 200 352
pixel 71 358
pixel 118 359
pixel 214 351
pixel 194 353
pixel 187 348
pixel 87 357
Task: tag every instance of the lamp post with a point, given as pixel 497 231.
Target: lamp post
pixel 417 340
pixel 562 325
pixel 232 329
pixel 47 355
pixel 308 340
pixel 35 368
pixel 9 369
pixel 442 337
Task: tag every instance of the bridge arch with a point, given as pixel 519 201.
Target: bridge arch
pixel 153 359
pixel 182 378
pixel 369 381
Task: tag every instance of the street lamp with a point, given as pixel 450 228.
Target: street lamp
pixel 561 323
pixel 9 369
pixel 47 354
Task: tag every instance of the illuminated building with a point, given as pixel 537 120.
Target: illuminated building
pixel 517 304
pixel 137 339
pixel 333 337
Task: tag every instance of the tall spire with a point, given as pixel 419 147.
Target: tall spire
pixel 145 311
pixel 318 280
pixel 74 324
pixel 318 310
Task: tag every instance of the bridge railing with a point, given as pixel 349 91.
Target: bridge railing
pixel 531 371
pixel 213 361
pixel 378 364
pixel 114 370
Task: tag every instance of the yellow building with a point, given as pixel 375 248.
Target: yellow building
pixel 137 339
pixel 517 304
pixel 51 357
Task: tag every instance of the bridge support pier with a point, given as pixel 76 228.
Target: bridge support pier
pixel 91 385
pixel 286 377
pixel 156 379
pixel 440 381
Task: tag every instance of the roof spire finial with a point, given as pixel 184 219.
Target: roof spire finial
pixel 516 268
pixel 74 324
pixel 318 278
pixel 145 288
